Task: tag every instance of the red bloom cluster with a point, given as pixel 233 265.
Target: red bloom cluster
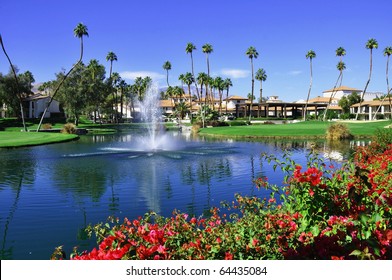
pixel 312 176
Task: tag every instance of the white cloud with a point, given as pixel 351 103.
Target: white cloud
pixel 295 73
pixel 235 73
pixel 131 75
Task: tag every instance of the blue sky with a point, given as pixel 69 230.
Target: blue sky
pixel 144 34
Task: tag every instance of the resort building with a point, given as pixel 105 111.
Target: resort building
pixel 341 91
pixel 375 109
pixel 34 106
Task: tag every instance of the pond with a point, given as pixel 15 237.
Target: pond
pixel 49 194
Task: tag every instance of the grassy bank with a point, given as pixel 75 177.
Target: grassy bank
pixel 310 129
pixel 13 139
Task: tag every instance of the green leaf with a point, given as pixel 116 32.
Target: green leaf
pixel 356 253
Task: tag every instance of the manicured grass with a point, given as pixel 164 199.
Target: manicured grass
pixel 309 129
pixel 12 139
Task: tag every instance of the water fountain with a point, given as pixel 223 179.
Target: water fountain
pixel 151 115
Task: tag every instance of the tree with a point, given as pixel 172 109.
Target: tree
pixel 340 66
pixel 226 85
pixel 73 95
pixel 188 80
pixel 252 53
pixel 167 66
pixel 370 45
pixel 79 31
pixel 30 79
pixel 190 47
pixel 346 101
pixel 387 52
pixel 202 80
pixel 207 49
pixel 181 109
pixel 97 88
pixel 111 56
pixel 261 76
pixel 309 55
pixel 219 85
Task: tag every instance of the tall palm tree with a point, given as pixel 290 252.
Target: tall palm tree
pixel 309 55
pixel 227 84
pixel 387 52
pixel 111 56
pixel 167 66
pixel 190 47
pixel 207 49
pixel 189 80
pixel 370 45
pixel 340 66
pixel 261 76
pixel 17 84
pixel 219 85
pixel 181 78
pixel 252 53
pixel 340 52
pixel 202 79
pixel 79 31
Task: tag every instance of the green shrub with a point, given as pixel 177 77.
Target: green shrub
pixel 47 126
pixel 69 128
pixel 338 131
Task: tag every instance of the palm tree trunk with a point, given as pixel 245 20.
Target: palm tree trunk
pixel 310 89
pixel 333 94
pixel 59 85
pixel 19 95
pixel 387 95
pixel 367 83
pixel 227 97
pixel 251 97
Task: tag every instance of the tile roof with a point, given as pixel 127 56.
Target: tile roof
pixel 343 88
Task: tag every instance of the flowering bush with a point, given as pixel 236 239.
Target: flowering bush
pixel 320 212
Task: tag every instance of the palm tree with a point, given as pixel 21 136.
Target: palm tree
pixel 370 45
pixel 207 49
pixel 261 76
pixel 181 78
pixel 122 85
pixel 189 80
pixel 17 84
pixel 340 52
pixel 202 79
pixel 181 109
pixel 167 66
pixel 227 84
pixel 387 52
pixel 310 55
pixel 79 31
pixel 219 85
pixel 252 53
pixel 190 47
pixel 340 66
pixel 111 56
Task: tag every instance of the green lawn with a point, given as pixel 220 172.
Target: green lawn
pixel 309 129
pixel 11 139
